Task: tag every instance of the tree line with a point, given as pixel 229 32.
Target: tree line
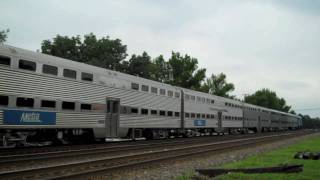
pixel 179 69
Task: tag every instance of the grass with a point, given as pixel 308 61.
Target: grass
pixel 311 169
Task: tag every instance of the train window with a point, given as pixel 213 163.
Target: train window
pixel 134 110
pixel 187 115
pixel 86 76
pixel 208 101
pixel 48 104
pixel 145 88
pixel 177 94
pixel 27 65
pixel 198 116
pixel 193 115
pixel 176 114
pixel 123 110
pixel 154 112
pixel 70 73
pixel 187 96
pixel 47 69
pixel 170 93
pixel 154 90
pixel 144 111
pixel 68 105
pixel 170 113
pixel 85 106
pixel 4 100
pixel 203 100
pixel 226 104
pixel 162 91
pixel 212 101
pixel 5 60
pixel 134 86
pixel 198 99
pixel 24 102
pixel 212 116
pixel 162 113
pixel 193 98
pixel 208 116
pixel 203 116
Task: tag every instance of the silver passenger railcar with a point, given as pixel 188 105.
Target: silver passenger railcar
pixel 46 98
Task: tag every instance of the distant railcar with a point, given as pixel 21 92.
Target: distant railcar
pixel 46 98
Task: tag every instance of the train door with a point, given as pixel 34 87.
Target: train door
pixel 112 117
pixel 219 119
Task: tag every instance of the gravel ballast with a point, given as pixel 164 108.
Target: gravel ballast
pixel 170 170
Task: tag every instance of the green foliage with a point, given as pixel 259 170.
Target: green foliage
pixel 4 35
pixel 140 65
pixel 104 52
pixel 185 72
pixel 217 85
pixel 310 123
pixel 269 99
pixel 278 157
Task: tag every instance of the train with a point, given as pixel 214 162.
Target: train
pixel 50 99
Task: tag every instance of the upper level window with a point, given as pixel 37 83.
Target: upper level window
pixel 203 116
pixel 27 65
pixel 154 90
pixel 193 115
pixel 5 60
pixel 198 99
pixel 4 100
pixel 134 110
pixel 86 76
pixel 176 114
pixel 198 116
pixel 170 113
pixel 208 101
pixel 85 106
pixel 212 101
pixel 193 98
pixel 144 111
pixel 145 88
pixel 187 96
pixel 162 91
pixel 162 113
pixel 187 115
pixel 170 93
pixel 177 94
pixel 70 73
pixel 203 100
pixel 68 105
pixel 25 102
pixel 135 86
pixel 48 69
pixel 154 112
pixel 48 104
pixel 212 116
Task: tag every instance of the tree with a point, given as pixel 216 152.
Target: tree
pixel 104 52
pixel 217 85
pixel 140 65
pixel 4 35
pixel 269 99
pixel 161 70
pixel 185 72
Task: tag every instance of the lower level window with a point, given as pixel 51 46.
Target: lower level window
pixel 86 107
pixel 4 100
pixel 48 104
pixel 68 105
pixel 25 102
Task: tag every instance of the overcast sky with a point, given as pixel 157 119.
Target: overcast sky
pixel 259 44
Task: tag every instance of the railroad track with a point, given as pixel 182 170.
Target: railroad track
pixel 108 164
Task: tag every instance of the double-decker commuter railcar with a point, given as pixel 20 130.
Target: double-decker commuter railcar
pixel 46 98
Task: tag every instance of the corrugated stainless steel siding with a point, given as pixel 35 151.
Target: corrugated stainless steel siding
pixel 140 121
pixel 80 119
pixel 31 84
